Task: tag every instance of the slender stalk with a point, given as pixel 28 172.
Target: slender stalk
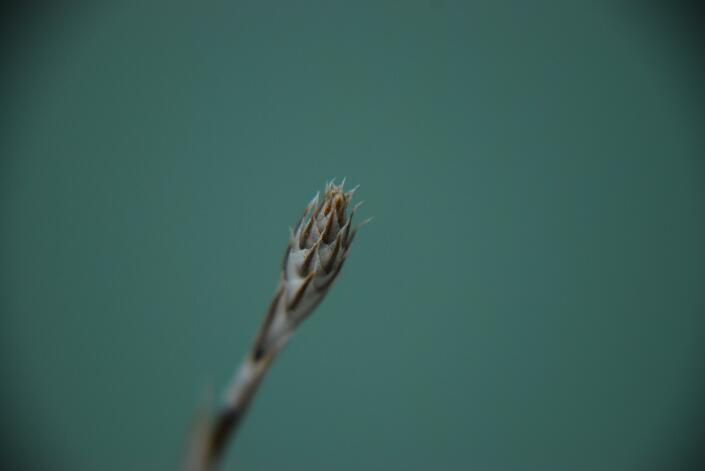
pixel 317 251
pixel 232 414
pixel 243 388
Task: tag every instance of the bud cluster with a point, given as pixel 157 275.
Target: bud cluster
pixel 317 250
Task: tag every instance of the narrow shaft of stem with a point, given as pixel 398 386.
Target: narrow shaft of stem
pixel 270 341
pixel 226 423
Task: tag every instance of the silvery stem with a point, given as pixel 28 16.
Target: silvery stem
pixel 271 340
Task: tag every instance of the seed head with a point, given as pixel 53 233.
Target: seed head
pixel 317 250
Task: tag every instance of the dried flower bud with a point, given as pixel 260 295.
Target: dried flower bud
pixel 317 250
pixel 318 247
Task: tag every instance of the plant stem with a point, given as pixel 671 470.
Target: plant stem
pixel 271 339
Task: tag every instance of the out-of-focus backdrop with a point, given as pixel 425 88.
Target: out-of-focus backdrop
pixel 529 296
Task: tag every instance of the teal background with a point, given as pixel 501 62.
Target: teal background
pixel 529 295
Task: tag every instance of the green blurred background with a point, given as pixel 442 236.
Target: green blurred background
pixel 529 296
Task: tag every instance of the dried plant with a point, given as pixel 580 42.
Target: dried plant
pixel 318 248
